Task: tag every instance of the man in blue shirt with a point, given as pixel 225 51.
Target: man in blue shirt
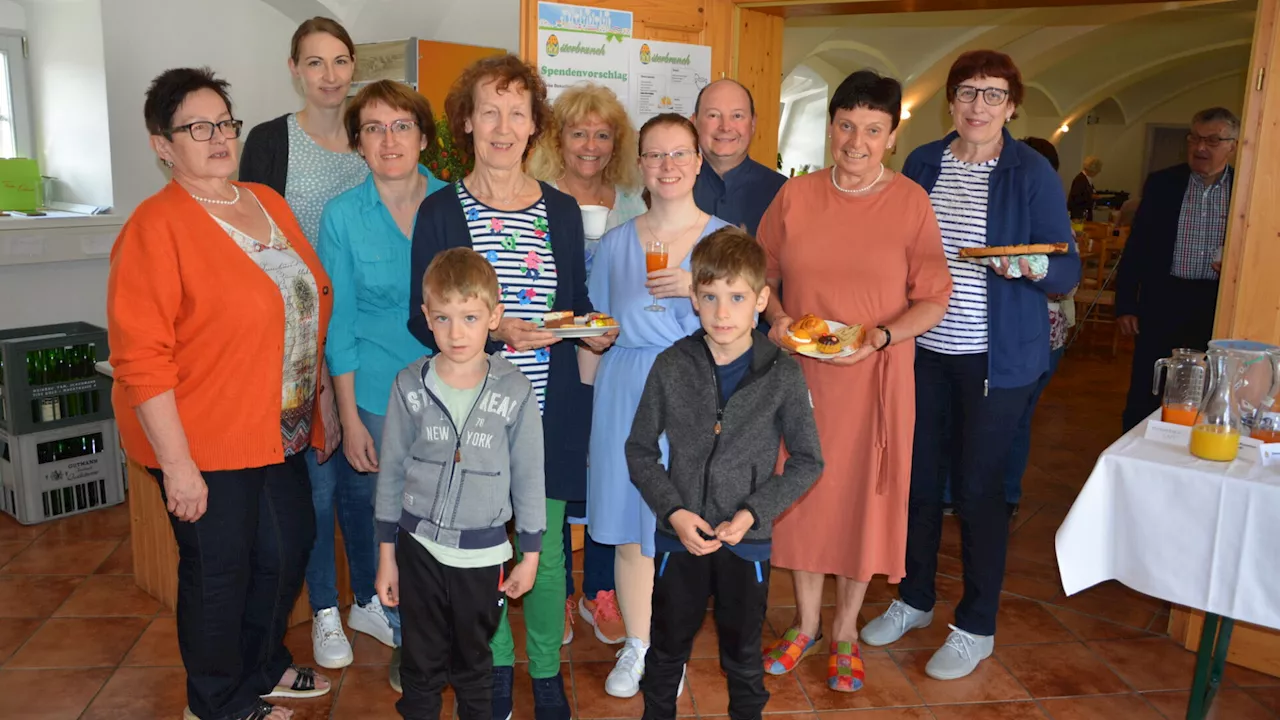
pixel 731 186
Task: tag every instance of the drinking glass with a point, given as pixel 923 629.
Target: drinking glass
pixel 655 259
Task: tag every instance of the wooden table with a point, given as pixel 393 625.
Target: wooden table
pixel 155 553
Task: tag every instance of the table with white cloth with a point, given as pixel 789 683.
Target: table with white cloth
pixel 1196 533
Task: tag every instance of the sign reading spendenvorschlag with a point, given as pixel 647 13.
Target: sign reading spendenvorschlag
pixel 577 44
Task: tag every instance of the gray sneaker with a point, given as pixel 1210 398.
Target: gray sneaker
pixel 959 655
pixel 893 624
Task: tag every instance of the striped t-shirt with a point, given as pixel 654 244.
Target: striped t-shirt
pixel 959 200
pixel 518 245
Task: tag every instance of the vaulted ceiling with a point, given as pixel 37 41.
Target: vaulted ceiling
pixel 1117 60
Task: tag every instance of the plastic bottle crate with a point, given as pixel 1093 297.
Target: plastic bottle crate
pixel 59 473
pixel 48 380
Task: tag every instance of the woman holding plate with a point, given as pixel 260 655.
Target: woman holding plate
pixel 891 277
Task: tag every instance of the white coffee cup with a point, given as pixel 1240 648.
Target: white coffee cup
pixel 594 219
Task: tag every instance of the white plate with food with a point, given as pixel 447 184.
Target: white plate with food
pixel 565 325
pixel 824 339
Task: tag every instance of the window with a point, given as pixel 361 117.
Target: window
pixel 15 107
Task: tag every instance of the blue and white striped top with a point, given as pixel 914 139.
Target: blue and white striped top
pixel 518 245
pixel 959 199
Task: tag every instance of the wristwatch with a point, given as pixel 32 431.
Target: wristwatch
pixel 888 337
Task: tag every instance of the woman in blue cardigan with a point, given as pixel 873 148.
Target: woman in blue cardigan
pixel 532 234
pixel 977 370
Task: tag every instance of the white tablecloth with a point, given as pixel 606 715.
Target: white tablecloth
pixel 1201 534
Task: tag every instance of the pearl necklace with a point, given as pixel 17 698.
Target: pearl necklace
pixel 220 202
pixel 856 191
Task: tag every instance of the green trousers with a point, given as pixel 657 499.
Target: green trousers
pixel 543 606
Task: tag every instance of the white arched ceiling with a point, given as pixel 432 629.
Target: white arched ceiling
pixel 1177 78
pixel 855 56
pixel 1109 112
pixel 1037 102
pixel 299 10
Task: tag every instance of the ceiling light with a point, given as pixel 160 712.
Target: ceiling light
pixel 1065 128
pixel 906 113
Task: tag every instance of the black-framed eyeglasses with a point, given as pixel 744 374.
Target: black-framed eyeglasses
pixel 396 127
pixel 202 131
pixel 1212 141
pixel 680 158
pixel 990 95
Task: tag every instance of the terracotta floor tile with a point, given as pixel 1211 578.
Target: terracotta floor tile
pixel 989 711
pixel 108 596
pixel 11 529
pixel 1031 588
pixel 14 632
pixel 365 695
pixel 930 637
pixel 990 682
pixel 593 702
pixel 886 685
pixel 711 696
pixel 587 648
pixel 61 556
pixel 119 562
pixel 1268 697
pixel 35 595
pixel 10 548
pixel 48 694
pixel 1244 677
pixel 298 640
pixel 368 651
pixel 1147 665
pixel 79 642
pixel 1023 621
pixel 1228 704
pixel 107 524
pixel 1060 670
pixel 1101 707
pixel 1087 627
pixel 159 693
pixel 1127 609
pixel 158 646
pixel 908 713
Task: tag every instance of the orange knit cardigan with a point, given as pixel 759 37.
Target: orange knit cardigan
pixel 189 311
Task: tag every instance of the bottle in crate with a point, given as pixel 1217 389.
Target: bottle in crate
pixel 56 473
pixel 61 385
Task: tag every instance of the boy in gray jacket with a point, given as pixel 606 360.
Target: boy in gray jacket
pixel 461 447
pixel 725 398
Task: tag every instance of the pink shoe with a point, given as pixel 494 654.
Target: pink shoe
pixel 603 615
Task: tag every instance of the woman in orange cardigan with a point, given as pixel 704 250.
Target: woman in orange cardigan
pixel 217 309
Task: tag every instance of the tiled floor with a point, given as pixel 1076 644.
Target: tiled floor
pixel 79 640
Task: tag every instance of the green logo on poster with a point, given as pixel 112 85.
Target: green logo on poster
pixel 553 46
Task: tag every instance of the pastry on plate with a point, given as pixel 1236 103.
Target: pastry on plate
pixel 557 319
pixel 809 327
pixel 601 320
pixel 828 344
pixel 851 336
pixel 1001 250
pixel 799 346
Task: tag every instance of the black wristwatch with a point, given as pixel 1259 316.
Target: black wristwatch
pixel 888 337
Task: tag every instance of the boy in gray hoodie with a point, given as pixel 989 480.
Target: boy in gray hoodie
pixel 725 398
pixel 461 447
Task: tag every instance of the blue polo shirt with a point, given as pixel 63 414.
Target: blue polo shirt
pixel 367 258
pixel 741 196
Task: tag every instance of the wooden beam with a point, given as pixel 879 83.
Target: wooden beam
pixel 1249 296
pixel 820 8
pixel 757 58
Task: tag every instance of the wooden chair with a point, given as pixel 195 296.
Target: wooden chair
pixel 1096 311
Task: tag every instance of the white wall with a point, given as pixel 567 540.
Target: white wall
pixel 12 16
pixel 489 23
pixel 69 98
pixel 1122 148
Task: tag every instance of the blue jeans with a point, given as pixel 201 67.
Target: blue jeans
pixel 373 423
pixel 335 486
pixel 1020 452
pixel 597 565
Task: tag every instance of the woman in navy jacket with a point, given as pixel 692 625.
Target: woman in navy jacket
pixel 977 370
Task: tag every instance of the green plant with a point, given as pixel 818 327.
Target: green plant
pixel 444 159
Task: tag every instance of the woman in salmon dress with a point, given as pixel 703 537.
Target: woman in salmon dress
pixel 858 244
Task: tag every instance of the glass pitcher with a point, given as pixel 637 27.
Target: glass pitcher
pixel 1183 387
pixel 1259 378
pixel 1216 432
pixel 1266 423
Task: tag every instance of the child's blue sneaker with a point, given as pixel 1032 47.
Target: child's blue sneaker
pixel 503 678
pixel 549 702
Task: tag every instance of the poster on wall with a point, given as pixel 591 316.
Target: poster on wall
pixel 577 44
pixel 666 77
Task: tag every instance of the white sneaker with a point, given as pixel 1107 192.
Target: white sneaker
pixel 372 621
pixel 893 624
pixel 960 655
pixel 624 679
pixel 328 642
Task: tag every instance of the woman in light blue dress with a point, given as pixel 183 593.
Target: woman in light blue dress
pixel 620 286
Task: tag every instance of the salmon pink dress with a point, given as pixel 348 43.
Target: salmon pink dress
pixel 856 259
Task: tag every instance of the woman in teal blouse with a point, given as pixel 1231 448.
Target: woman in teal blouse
pixel 364 246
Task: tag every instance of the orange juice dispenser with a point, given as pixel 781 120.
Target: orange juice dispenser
pixel 1184 375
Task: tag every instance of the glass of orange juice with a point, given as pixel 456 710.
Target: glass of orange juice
pixel 655 259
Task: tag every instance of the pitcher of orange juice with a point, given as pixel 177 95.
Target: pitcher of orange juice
pixel 1183 385
pixel 1218 424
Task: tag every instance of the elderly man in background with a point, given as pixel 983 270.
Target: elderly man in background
pixel 731 186
pixel 1080 198
pixel 1167 282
